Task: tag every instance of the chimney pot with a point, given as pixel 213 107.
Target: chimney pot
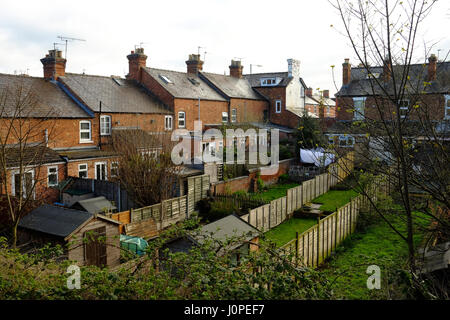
pixel 136 60
pixel 194 64
pixel 346 72
pixel 54 65
pixel 236 69
pixel 326 93
pixel 432 61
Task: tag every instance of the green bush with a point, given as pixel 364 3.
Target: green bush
pixel 284 178
pixel 285 152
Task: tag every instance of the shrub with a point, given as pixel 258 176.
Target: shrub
pixel 284 178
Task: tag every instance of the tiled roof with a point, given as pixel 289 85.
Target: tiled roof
pixel 46 101
pixel 86 154
pixel 31 156
pixel 116 94
pixel 361 86
pixel 184 85
pixel 232 87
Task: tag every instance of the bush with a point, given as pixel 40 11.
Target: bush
pixel 285 152
pixel 284 178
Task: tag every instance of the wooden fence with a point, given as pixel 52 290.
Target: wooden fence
pixel 317 243
pixel 277 211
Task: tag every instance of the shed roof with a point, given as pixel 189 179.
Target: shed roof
pixel 47 100
pixel 115 93
pixel 32 155
pixel 57 221
pixel 95 205
pixel 184 85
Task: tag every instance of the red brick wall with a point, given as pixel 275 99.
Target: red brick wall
pixel 210 111
pixel 72 167
pixel 432 104
pixel 158 90
pixel 249 110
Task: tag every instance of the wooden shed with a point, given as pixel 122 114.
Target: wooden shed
pixel 69 227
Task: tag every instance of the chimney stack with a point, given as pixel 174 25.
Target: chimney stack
pixel 236 69
pixel 309 92
pixel 346 72
pixel 293 68
pixel 136 61
pixel 387 70
pixel 54 65
pixel 432 60
pixel 194 64
pixel 326 93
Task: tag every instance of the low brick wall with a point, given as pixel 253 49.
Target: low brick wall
pixel 246 183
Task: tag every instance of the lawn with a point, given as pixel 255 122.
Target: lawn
pixel 378 245
pixel 335 199
pixel 285 232
pixel 276 191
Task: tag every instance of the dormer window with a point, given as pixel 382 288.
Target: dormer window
pixel 374 75
pixel 267 82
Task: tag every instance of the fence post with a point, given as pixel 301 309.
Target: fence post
pixel 297 240
pixel 318 241
pixel 336 229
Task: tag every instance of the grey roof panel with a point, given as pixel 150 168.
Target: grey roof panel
pixel 255 78
pixel 54 220
pixel 96 205
pixel 184 85
pixel 46 101
pixel 116 94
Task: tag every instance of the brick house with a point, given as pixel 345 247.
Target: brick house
pixel 359 95
pixel 319 105
pixel 285 92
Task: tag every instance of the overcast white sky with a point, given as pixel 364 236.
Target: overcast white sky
pixel 260 32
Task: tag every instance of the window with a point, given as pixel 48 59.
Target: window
pixel 26 183
pixel 330 140
pixel 447 106
pixel 278 106
pixel 233 115
pixel 269 82
pixel 83 171
pixel 302 91
pixel 114 169
pixel 168 123
pixel 181 119
pixel 346 141
pixel 85 131
pixel 100 171
pixel 52 176
pixel 224 116
pixel 403 104
pixel 165 79
pixel 105 125
pixel 359 103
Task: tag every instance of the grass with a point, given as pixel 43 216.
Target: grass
pixel 285 232
pixel 276 191
pixel 378 245
pixel 335 199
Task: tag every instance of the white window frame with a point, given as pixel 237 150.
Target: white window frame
pixel 359 114
pixel 104 132
pixel 268 82
pixel 83 140
pixel 106 170
pixel 168 122
pixel 48 176
pixel 86 170
pixel 182 119
pixel 346 139
pixel 225 115
pixel 447 107
pixel 403 108
pixel 114 165
pixel 233 115
pixel 13 184
pixel 277 106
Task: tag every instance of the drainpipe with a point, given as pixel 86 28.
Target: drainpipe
pixel 100 127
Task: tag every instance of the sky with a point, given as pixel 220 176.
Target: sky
pixel 262 32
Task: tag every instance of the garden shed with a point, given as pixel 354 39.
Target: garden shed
pixel 95 205
pixel 89 239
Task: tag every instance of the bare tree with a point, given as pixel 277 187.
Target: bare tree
pixel 145 167
pixel 23 149
pixel 397 130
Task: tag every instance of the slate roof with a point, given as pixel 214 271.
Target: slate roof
pixel 117 94
pixel 57 221
pixel 31 155
pixel 86 154
pixel 232 87
pixel 316 99
pixel 361 86
pixel 47 100
pixel 184 85
pixel 95 205
pixel 255 78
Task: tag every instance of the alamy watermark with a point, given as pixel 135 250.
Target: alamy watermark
pixel 235 143
pixel 374 280
pixel 74 279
